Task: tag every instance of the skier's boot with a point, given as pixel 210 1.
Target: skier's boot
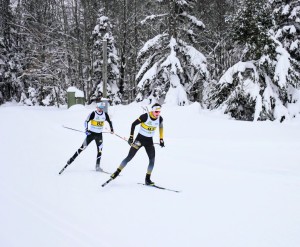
pixel 148 180
pixel 115 174
pixel 98 168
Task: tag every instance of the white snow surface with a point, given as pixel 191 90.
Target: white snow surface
pixel 239 181
pixel 72 89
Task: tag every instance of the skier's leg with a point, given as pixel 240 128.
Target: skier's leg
pixel 85 143
pixel 132 151
pixel 151 154
pixel 129 157
pixel 99 144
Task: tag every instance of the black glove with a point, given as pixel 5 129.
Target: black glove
pixel 161 143
pixel 130 140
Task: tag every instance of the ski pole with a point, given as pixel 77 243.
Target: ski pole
pixel 121 137
pixel 73 129
pixel 78 130
pixel 125 139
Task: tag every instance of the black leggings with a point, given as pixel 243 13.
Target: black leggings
pixel 139 142
pixel 89 138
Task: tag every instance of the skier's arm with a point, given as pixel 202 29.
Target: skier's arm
pixel 161 128
pixel 109 122
pixel 161 132
pixel 141 119
pixel 89 118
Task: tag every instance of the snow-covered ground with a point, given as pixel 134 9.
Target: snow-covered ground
pixel 239 182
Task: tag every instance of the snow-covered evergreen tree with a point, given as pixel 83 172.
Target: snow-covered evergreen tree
pixel 287 25
pixel 103 30
pixel 256 88
pixel 172 70
pixel 11 56
pixel 22 68
pixel 287 31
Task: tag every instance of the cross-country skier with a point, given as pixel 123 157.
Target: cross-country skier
pixel 148 123
pixel 94 132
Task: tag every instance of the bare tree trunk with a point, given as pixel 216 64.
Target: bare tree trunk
pixel 66 42
pixel 172 19
pixel 4 22
pixel 135 51
pixel 5 33
pixel 123 50
pixel 79 79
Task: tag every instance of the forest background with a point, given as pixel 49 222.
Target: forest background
pixel 239 56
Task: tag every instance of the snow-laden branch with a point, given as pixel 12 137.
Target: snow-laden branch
pixel 145 66
pixel 172 59
pixel 152 17
pixel 193 19
pixel 149 75
pixel 239 67
pixel 154 42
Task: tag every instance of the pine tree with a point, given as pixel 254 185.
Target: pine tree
pixel 103 30
pixel 172 70
pixel 256 88
pixel 287 31
pixel 251 28
pixel 287 25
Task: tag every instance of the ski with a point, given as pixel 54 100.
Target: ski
pixel 102 171
pixel 159 187
pixel 106 172
pixel 62 170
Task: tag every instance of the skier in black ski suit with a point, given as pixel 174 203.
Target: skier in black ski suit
pixel 94 132
pixel 148 124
